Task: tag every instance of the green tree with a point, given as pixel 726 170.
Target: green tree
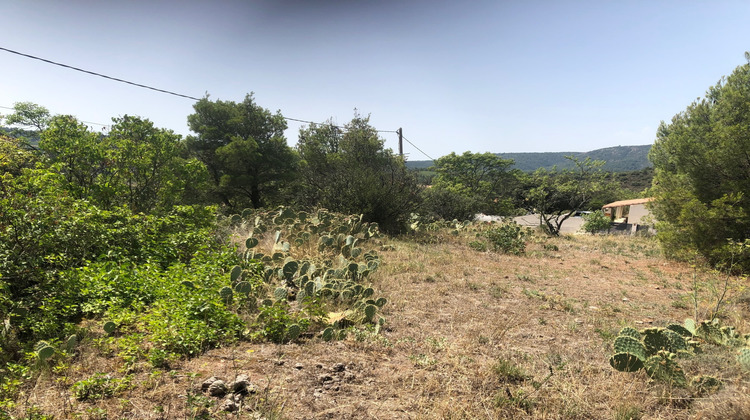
pixel 146 167
pixel 78 154
pixel 472 183
pixel 350 171
pixel 136 164
pixel 702 164
pixel 557 194
pixel 28 121
pixel 244 149
pixel 13 156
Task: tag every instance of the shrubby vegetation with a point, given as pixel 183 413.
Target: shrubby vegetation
pixel 596 222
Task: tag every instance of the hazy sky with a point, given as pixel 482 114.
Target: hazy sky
pixel 498 76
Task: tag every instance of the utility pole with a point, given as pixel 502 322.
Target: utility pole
pixel 400 133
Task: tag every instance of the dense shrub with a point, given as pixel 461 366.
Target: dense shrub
pixel 509 238
pixel 596 222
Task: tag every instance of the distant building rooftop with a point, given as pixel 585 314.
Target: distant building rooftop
pixel 628 202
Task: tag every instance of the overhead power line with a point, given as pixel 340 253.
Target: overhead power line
pixel 98 74
pixel 407 140
pixel 93 73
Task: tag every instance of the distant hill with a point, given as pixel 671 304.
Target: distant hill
pixel 618 159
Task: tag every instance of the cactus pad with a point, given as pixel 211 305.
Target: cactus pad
pixel 625 362
pixel 679 329
pixel 711 333
pixel 356 252
pixel 280 293
pixel 743 357
pixel 655 340
pixel 662 367
pixel 235 273
pixel 225 293
pixel 370 311
pixel 290 267
pixel 690 325
pixel 109 327
pixel 327 334
pixel 293 332
pixel 630 332
pixel 71 343
pixel 243 287
pixel 251 243
pixel 45 352
pixel 627 344
pixel 676 342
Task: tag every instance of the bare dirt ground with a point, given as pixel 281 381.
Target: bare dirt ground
pixel 468 335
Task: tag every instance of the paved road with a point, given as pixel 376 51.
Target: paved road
pixel 571 225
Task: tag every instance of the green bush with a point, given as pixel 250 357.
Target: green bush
pixel 450 202
pixel 508 238
pixel 596 222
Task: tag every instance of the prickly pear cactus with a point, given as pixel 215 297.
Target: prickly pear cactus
pixel 629 345
pixel 663 367
pixel 625 362
pixel 293 332
pixel 690 325
pixel 225 293
pixel 675 342
pixel 71 343
pixel 679 329
pixel 243 287
pixel 743 357
pixel 280 293
pixel 290 267
pixel 711 332
pixel 327 334
pixel 251 243
pixel 370 311
pixel 235 273
pixel 44 351
pixel 630 332
pixel 654 340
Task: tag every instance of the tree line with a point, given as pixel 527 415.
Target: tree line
pixel 238 158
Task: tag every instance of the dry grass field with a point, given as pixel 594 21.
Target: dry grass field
pixel 469 335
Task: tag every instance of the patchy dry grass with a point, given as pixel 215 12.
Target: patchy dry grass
pixel 469 335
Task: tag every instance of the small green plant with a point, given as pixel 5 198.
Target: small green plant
pixel 98 387
pixel 275 323
pixel 627 412
pixel 478 246
pixel 508 371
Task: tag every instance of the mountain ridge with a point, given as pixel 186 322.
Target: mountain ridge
pixel 617 158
